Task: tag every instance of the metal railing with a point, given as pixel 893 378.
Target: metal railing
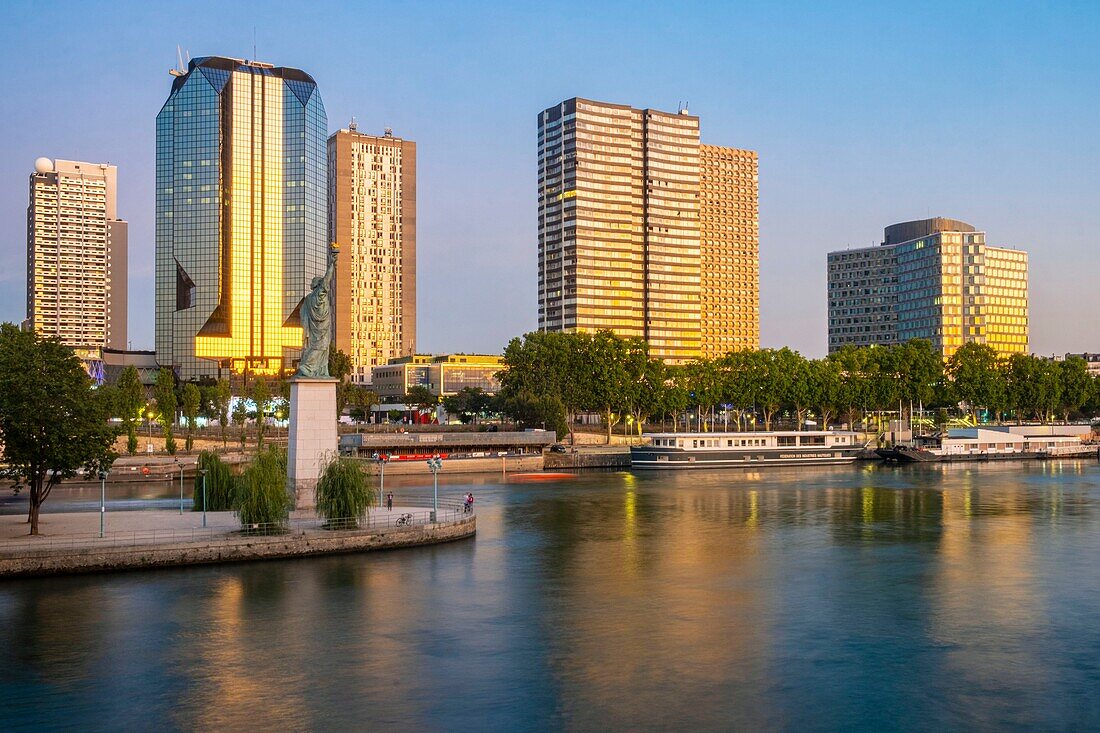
pixel 377 520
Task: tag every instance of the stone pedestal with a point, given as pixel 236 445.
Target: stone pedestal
pixel 313 437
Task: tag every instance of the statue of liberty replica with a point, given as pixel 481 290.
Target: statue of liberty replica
pixel 312 438
pixel 316 314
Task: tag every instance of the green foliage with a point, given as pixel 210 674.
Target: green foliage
pixel 261 397
pixel 361 400
pixel 240 418
pixel 339 364
pixel 192 401
pixel 975 373
pixel 344 491
pixel 52 423
pixel 221 398
pixel 130 403
pixel 220 484
pixel 164 392
pixel 260 495
pixel 468 404
pixel 422 397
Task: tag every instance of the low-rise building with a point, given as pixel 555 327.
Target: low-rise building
pixel 444 375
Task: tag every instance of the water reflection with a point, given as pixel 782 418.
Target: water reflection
pixel 925 597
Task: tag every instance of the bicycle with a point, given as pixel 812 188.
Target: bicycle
pixel 404 520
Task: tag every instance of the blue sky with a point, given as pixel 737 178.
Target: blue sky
pixel 863 113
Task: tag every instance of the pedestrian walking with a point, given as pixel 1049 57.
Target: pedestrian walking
pixel 389 501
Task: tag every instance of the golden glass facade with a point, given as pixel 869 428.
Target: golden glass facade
pixel 620 244
pixel 729 231
pixel 241 216
pixel 372 213
pixel 944 285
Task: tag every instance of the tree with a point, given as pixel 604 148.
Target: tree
pixel 52 424
pixel 261 396
pixel 240 419
pixel 222 396
pixel 976 378
pixel 164 392
pixel 131 401
pixel 543 370
pixel 260 496
pixel 826 389
pixel 1077 385
pixel 220 484
pixel 605 355
pixel 421 398
pixel 339 367
pixel 192 401
pixel 361 400
pixel 467 404
pixel 344 493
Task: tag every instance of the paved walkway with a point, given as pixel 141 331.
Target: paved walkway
pixel 81 529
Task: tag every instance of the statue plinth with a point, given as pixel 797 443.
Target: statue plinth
pixel 312 438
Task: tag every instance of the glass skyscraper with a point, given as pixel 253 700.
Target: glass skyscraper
pixel 241 216
pixel 933 279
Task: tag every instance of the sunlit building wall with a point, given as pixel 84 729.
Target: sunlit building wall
pixel 933 279
pixel 241 216
pixel 442 375
pixel 729 250
pixel 76 256
pixel 372 215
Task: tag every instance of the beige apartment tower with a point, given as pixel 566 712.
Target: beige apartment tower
pixel 729 230
pixel 623 197
pixel 76 256
pixel 372 217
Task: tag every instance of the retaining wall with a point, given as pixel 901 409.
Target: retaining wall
pixel 234 548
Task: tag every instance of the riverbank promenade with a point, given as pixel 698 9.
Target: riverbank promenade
pixel 69 542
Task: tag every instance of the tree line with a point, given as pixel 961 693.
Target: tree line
pixel 551 378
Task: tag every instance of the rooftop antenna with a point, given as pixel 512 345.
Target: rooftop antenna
pixel 388 131
pixel 178 71
pixel 353 125
pixel 254 56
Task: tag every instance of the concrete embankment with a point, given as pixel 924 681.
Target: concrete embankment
pixel 610 458
pixel 234 547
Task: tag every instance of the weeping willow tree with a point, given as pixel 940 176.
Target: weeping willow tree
pixel 344 493
pixel 260 496
pixel 220 484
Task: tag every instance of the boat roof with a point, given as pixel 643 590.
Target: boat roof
pixel 750 434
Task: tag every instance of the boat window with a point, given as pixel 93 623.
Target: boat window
pixel 785 440
pixel 813 440
pixel 729 443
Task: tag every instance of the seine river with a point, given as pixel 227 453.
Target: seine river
pixel 864 598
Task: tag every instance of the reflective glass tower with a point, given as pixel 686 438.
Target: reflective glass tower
pixel 241 216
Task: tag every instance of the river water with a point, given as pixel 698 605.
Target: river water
pixel 862 598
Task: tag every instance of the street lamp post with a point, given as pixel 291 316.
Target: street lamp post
pixel 102 499
pixel 382 458
pixel 149 422
pixel 181 485
pixel 435 463
pixel 202 472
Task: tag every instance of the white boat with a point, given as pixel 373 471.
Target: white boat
pixel 745 450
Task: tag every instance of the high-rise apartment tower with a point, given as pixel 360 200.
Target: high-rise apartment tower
pixel 241 216
pixel 933 279
pixel 623 197
pixel 76 256
pixel 372 215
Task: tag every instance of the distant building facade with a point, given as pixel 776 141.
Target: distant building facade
pixel 933 279
pixel 372 216
pixel 729 250
pixel 622 196
pixel 76 256
pixel 443 375
pixel 241 218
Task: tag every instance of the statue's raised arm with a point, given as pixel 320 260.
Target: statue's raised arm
pixel 317 324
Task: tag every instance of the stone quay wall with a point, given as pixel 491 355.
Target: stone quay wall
pixel 232 548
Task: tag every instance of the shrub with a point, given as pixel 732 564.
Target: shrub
pixel 343 491
pixel 261 496
pixel 219 484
